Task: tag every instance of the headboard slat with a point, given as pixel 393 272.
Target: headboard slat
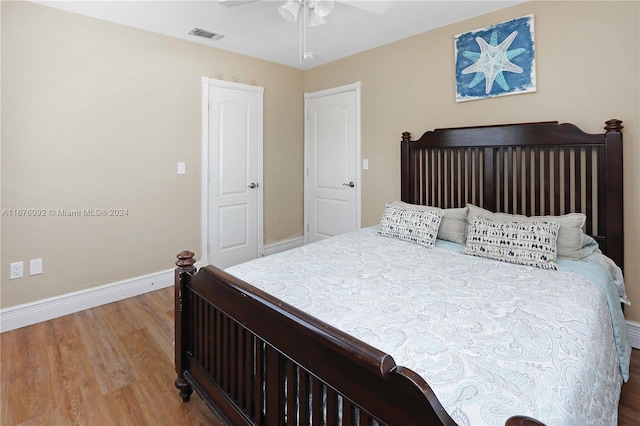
pixel 589 187
pixel 556 177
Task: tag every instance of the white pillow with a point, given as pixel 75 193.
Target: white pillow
pixel 454 221
pixel 417 226
pixel 569 235
pixel 523 243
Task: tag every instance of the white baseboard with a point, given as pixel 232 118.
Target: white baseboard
pixel 283 245
pixel 54 307
pixel 43 310
pixel 633 332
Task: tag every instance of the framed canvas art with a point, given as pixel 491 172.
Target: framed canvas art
pixel 496 60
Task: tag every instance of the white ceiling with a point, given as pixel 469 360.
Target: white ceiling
pixel 256 29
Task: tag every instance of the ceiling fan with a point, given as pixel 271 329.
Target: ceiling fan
pixel 312 13
pixel 374 6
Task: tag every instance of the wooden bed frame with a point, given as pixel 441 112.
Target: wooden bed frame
pixel 257 360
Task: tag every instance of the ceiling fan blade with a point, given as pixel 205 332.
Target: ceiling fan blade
pixel 379 7
pixel 234 3
pixel 375 6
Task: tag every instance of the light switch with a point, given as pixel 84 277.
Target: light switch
pixel 365 164
pixel 181 168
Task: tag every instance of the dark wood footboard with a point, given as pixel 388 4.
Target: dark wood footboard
pixel 257 360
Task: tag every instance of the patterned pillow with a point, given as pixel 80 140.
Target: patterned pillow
pixel 453 226
pixel 569 243
pixel 415 225
pixel 524 243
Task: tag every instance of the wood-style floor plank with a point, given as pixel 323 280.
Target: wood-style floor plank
pixel 629 408
pixel 114 365
pixel 108 365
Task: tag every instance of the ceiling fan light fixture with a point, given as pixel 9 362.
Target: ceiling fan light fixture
pixel 323 7
pixel 293 9
pixel 315 21
pixel 290 10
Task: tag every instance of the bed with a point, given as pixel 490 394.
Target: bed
pixel 257 358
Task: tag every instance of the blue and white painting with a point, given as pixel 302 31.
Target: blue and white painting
pixel 495 61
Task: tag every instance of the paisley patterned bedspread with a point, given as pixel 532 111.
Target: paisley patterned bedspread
pixel 492 339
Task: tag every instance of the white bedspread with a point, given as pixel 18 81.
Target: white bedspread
pixel 492 339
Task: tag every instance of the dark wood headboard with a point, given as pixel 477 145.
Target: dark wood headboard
pixel 542 168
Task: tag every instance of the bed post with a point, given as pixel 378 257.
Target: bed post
pixel 407 173
pixel 614 192
pixel 183 274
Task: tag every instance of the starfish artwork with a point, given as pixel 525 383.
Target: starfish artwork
pixel 482 58
pixel 492 61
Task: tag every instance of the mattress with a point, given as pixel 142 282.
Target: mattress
pixel 492 339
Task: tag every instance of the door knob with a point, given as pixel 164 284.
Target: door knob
pixel 350 184
pixel 253 185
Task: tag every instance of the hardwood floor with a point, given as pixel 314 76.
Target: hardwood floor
pixel 111 365
pixel 629 408
pixel 114 365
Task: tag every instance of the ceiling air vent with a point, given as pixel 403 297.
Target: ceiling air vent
pixel 205 34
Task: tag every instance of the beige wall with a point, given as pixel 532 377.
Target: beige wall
pixel 587 66
pixel 97 115
pixel 85 106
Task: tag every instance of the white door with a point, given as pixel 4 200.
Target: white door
pixel 332 157
pixel 234 173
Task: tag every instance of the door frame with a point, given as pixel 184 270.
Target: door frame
pixel 205 174
pixel 355 87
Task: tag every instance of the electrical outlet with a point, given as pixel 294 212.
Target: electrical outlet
pixel 16 270
pixel 35 266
